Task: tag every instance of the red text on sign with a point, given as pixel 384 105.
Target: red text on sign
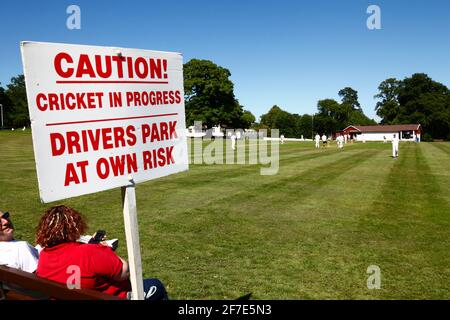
pixel 106 66
pixel 116 165
pixel 159 132
pixel 92 140
pixel 72 174
pixel 136 98
pixel 158 158
pixel 70 101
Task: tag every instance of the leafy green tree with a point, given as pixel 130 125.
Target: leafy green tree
pixel 268 119
pixel 388 108
pixel 247 119
pixel 331 114
pixel 425 101
pixel 209 95
pixel 349 98
pixel 18 115
pixel 417 99
pixel 6 106
pixel 359 118
pixel 286 122
pixel 323 124
pixel 351 110
pixel 334 116
pixel 279 119
pixel 304 126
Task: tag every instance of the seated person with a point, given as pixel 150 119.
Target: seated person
pixel 13 253
pixel 100 267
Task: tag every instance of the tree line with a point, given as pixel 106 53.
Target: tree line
pixel 331 116
pixel 416 99
pixel 209 97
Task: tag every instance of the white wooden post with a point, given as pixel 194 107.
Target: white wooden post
pixel 132 237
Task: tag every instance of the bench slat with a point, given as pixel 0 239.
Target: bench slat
pixel 28 281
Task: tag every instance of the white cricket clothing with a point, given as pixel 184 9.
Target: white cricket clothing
pixel 395 143
pixel 19 255
pixel 317 138
pixel 324 138
pixel 233 142
pixel 340 142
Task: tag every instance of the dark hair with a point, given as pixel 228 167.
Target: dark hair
pixel 60 224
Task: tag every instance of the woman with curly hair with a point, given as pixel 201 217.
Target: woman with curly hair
pixel 99 267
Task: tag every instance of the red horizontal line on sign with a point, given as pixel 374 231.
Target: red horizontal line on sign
pixel 112 119
pixel 110 81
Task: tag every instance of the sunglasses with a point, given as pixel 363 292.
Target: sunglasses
pixel 5 215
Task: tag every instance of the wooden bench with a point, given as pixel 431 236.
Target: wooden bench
pixel 20 285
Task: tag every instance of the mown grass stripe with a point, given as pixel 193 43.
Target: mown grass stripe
pixel 397 230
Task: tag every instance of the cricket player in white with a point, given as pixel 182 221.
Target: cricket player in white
pixel 340 142
pixel 324 140
pixel 282 139
pixel 233 141
pixel 317 139
pixel 395 143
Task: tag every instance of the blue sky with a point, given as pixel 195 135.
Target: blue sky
pixel 289 53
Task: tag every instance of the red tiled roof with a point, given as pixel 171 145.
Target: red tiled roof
pixel 384 128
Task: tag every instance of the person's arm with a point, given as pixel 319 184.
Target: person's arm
pixel 106 263
pixel 125 274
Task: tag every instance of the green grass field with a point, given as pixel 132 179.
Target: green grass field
pixel 308 232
